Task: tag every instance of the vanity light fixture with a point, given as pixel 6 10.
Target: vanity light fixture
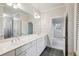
pixel 14 5
pixel 9 4
pixel 36 16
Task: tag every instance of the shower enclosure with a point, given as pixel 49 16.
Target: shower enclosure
pixel 57 33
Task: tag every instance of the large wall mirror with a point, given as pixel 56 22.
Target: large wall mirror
pixel 16 22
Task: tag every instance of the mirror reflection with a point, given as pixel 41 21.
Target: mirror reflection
pixel 16 22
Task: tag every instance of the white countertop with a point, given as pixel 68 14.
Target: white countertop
pixel 7 45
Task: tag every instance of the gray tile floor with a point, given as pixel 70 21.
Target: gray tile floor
pixel 52 52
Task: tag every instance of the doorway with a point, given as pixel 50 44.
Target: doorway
pixel 57 33
pixel 30 28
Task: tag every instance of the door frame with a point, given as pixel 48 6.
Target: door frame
pixel 75 31
pixel 65 43
pixel 66 35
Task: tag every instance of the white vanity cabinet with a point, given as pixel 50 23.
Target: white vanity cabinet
pixel 40 45
pixel 22 50
pixel 34 48
pixel 11 53
pixel 27 50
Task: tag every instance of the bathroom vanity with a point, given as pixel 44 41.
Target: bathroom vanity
pixel 20 32
pixel 31 45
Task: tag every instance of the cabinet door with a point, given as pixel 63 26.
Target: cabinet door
pixel 40 46
pixel 21 49
pixel 22 54
pixel 11 53
pixel 32 50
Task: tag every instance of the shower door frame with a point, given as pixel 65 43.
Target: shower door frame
pixel 65 33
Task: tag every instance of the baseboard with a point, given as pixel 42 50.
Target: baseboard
pixel 55 48
pixel 71 54
pixel 74 53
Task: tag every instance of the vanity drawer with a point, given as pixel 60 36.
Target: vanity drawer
pixel 11 53
pixel 23 48
pixel 23 54
pixel 31 51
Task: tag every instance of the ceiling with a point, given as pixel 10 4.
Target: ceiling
pixel 45 6
pixel 42 7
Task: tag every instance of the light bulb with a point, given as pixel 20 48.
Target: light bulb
pixel 9 4
pixel 15 6
pixel 19 5
pixel 36 16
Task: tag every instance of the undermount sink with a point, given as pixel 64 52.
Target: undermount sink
pixel 15 40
